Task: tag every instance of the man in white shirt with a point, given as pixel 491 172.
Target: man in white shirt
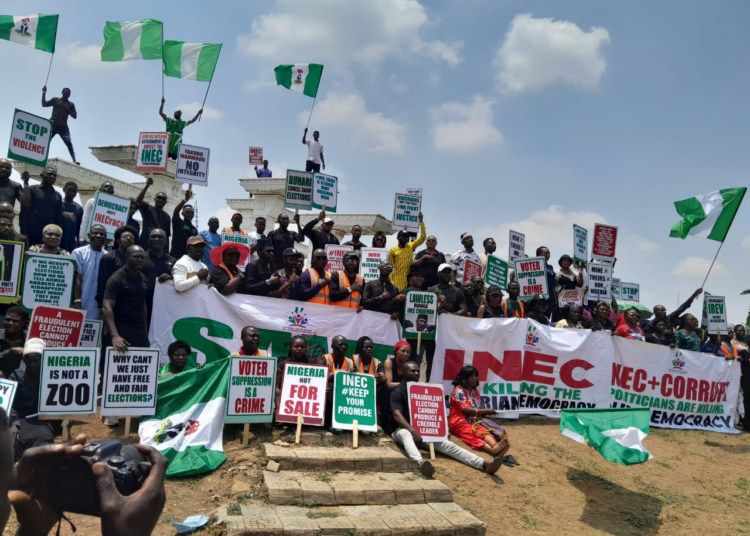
pixel 189 271
pixel 260 229
pixel 314 152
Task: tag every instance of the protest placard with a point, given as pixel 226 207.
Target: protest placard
pixel 354 400
pixel 569 297
pixel 605 243
pixel 516 245
pixel 251 389
pixel 238 239
pixel 11 269
pixel 47 280
pixel 91 334
pixel 414 191
pixel 496 272
pixel 29 138
pixel 7 393
pixel 616 293
pixel 110 211
pixel 406 209
pixel 580 243
pixel 531 275
pixel 600 282
pixel 256 156
pixel 714 313
pixel 153 150
pixel 471 269
pixel 630 291
pixel 420 314
pixel 370 260
pixel 56 326
pixel 336 254
pixel 325 192
pixel 129 382
pixel 68 381
pixel 298 192
pixel 192 164
pixel 427 411
pixel 303 392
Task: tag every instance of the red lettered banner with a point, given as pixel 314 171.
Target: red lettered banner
pixel 256 156
pixel 251 389
pixel 303 392
pixel 605 243
pixel 58 327
pixel 471 269
pixel 427 411
pixel 335 255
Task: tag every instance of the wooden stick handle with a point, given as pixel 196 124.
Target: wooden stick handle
pixel 127 427
pixel 246 434
pixel 419 344
pixel 299 429
pixel 355 433
pixel 432 451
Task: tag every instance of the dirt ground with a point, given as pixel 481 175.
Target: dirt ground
pixel 698 483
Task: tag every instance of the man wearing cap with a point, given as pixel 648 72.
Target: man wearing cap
pixel 402 255
pixel 182 227
pixel 320 239
pixel 158 266
pixel 379 294
pixel 259 277
pixel 213 240
pixel 538 307
pixel 226 277
pixel 313 283
pixel 346 285
pixel 153 216
pixel 282 239
pixel 189 271
pixel 236 223
pixel 288 276
pixel 458 258
pixel 451 299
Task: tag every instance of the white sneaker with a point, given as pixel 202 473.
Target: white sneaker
pixel 112 421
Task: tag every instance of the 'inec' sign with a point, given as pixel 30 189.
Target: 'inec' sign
pixel 110 211
pixel 580 243
pixel 129 382
pixel 369 263
pixel 251 389
pixel 630 292
pixel 29 138
pixel 496 272
pixel 48 280
pixel 354 400
pixel 68 381
pixel 256 156
pixel 299 190
pixel 605 243
pixel 7 394
pixel 406 209
pixel 325 192
pixel 600 282
pixel 420 314
pixel 303 392
pixel 56 326
pixel 427 411
pixel 531 275
pixel 153 150
pixel 192 164
pixel 714 313
pixel 335 255
pixel 516 245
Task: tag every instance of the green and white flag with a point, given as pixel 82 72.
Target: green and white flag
pixel 708 215
pixel 616 434
pixel 36 31
pixel 194 61
pixel 132 40
pixel 189 421
pixel 303 78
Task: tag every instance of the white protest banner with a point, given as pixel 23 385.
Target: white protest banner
pixel 630 291
pixel 325 192
pixel 251 389
pixel 303 392
pixel 7 393
pixel 420 314
pixel 370 259
pixel 110 211
pixel 29 138
pixel 238 239
pixel 714 313
pixel 616 290
pixel 68 381
pixel 427 411
pixel 414 191
pixel 192 164
pixel 129 382
pixel 354 400
pixel 153 151
pixel 56 326
pixel 496 272
pixel 335 255
pixel 471 269
pixel 298 192
pixel 600 282
pixel 406 209
pixel 516 245
pixel 531 275
pixel 256 156
pixel 580 243
pixel 11 270
pixel 48 280
pixel 91 334
pixel 605 243
pixel 569 297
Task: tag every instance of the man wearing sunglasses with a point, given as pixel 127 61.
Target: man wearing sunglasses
pixel 154 217
pixel 313 283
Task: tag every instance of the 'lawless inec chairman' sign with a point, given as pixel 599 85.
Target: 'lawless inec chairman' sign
pixel 29 138
pixel 192 164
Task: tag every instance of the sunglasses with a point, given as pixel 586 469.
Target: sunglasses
pixel 321 257
pixel 232 254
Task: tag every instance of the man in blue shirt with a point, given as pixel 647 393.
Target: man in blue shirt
pixel 87 259
pixel 213 240
pixel 264 171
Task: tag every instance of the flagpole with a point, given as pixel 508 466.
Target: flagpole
pixel 205 97
pixel 311 111
pixel 712 265
pixel 52 56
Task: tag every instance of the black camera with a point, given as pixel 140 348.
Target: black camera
pixel 73 487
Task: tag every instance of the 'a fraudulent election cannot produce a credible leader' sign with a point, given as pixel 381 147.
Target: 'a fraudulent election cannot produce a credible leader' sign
pixel 299 190
pixel 56 326
pixel 251 389
pixel 192 164
pixel 29 138
pixel 303 392
pixel 605 243
pixel 130 382
pixel 427 411
pixel 68 381
pixel 354 400
pixel 48 280
pixel 531 275
pixel 110 211
pixel 153 150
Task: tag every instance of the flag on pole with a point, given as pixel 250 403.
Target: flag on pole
pixel 189 421
pixel 36 31
pixel 616 434
pixel 194 61
pixel 132 40
pixel 708 215
pixel 302 78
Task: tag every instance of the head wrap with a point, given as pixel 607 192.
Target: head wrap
pixel 400 344
pixel 33 346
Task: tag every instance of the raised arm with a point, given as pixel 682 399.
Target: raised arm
pixel 300 235
pixel 194 119
pixel 142 194
pixel 308 228
pixel 161 110
pixel 178 208
pixel 304 137
pixel 422 234
pixel 45 102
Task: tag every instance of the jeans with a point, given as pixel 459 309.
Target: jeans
pixel 403 437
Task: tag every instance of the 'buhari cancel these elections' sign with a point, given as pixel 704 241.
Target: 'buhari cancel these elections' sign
pixel 299 190
pixel 29 138
pixel 192 164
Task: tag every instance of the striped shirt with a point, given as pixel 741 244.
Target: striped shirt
pixel 401 258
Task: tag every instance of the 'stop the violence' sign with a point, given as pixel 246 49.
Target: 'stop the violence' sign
pixel 29 138
pixel 605 242
pixel 153 150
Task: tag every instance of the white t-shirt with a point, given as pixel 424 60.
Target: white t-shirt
pixel 182 270
pixel 254 237
pixel 314 150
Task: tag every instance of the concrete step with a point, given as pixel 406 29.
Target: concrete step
pixel 383 459
pixel 343 488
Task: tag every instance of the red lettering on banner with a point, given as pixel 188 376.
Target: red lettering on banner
pixel 509 370
pixel 531 366
pixel 454 362
pixel 639 381
pixel 249 405
pixel 253 368
pixel 566 374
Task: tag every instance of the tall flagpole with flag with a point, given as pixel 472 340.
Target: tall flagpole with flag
pixel 192 61
pixel 38 31
pixel 301 77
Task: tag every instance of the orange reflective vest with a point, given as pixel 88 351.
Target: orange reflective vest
pixel 232 231
pixel 258 353
pixel 351 301
pixel 323 295
pixel 371 370
pixel 346 365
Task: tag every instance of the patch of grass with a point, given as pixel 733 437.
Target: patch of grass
pixel 594 479
pixel 318 515
pixel 467 494
pixel 698 481
pixel 711 443
pixel 324 478
pixel 640 521
pixel 308 504
pixel 241 498
pixel 742 483
pixel 744 523
pixel 552 449
pixel 655 492
pixel 190 481
pixel 719 498
pixel 530 485
pixel 234 509
pixel 664 464
pixel 166 518
pixel 706 457
pixel 530 522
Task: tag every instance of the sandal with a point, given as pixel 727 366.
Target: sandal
pixel 511 459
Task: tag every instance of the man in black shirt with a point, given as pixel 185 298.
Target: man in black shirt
pixel 430 259
pixel 6 211
pixel 40 206
pixel 378 295
pixel 288 276
pixel 452 299
pixel 125 303
pixel 61 109
pixel 323 237
pixel 158 266
pixel 114 260
pixel 225 276
pixel 72 215
pixel 9 191
pixel 259 276
pixel 355 242
pixel 182 228
pixel 153 217
pixel 283 239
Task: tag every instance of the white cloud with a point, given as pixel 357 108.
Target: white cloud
pixel 465 128
pixel 745 242
pixel 397 85
pixel 331 30
pixel 85 57
pixel 372 130
pixel 540 52
pixel 647 246
pixel 698 267
pixel 189 109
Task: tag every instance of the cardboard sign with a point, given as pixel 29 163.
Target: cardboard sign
pixel 600 282
pixel 420 314
pixel 605 242
pixel 531 275
pixel 192 164
pixel 129 382
pixel 11 269
pixel 325 192
pixel 48 280
pixel 470 269
pixel 714 313
pixel 630 292
pixel 110 211
pixel 414 191
pixel 256 156
pixel 68 381
pixel 516 245
pixel 29 138
pixel 336 256
pixel 239 239
pixel 496 272
pixel 91 334
pixel 303 393
pixel 153 151
pixel 370 259
pixel 616 291
pixel 58 327
pixel 566 298
pixel 580 243
pixel 251 389
pixel 298 192
pixel 427 411
pixel 354 400
pixel 7 394
pixel 406 209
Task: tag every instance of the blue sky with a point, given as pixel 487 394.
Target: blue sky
pixel 530 115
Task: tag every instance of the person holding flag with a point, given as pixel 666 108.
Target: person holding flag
pixel 176 126
pixel 62 107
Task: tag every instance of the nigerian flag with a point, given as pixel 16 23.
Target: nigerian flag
pixel 616 434
pixel 194 61
pixel 303 78
pixel 189 421
pixel 132 40
pixel 708 215
pixel 36 31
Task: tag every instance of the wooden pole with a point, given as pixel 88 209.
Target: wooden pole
pixel 246 434
pixel 355 433
pixel 299 429
pixel 50 68
pixel 66 430
pixel 712 265
pixel 126 433
pixel 419 344
pixel 432 451
pixel 311 111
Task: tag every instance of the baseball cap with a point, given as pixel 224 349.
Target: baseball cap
pixel 444 266
pixel 328 220
pixel 350 255
pixel 291 252
pixel 197 239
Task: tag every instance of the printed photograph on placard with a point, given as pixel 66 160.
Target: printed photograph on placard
pixel 11 255
pixel 420 314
